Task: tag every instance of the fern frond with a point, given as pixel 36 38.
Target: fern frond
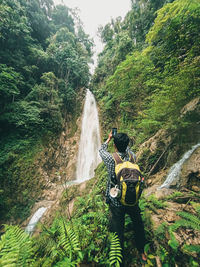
pixel 115 255
pixel 68 237
pixel 192 248
pixel 196 206
pixel 15 247
pixel 66 262
pixel 189 220
pixel 186 224
pixel 163 253
pixel 173 243
pixel 160 231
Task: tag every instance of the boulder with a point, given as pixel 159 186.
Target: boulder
pixel 190 173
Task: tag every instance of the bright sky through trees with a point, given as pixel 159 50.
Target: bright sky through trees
pixel 94 13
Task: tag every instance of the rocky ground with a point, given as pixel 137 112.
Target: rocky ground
pixel 57 168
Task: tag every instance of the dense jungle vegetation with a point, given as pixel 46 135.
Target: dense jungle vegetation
pixel 147 72
pixel 149 69
pixel 44 60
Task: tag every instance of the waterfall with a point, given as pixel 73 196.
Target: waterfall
pixel 35 219
pixel 88 156
pixel 175 170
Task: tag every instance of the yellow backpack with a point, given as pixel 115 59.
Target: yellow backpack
pixel 129 180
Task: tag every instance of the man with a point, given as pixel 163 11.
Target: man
pixel 118 210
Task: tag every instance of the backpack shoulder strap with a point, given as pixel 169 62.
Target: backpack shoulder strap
pixel 117 158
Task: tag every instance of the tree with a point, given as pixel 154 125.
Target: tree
pixel 69 63
pixel 61 17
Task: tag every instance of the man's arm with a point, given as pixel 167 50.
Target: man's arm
pixel 104 154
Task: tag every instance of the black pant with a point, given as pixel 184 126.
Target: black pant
pixel 117 224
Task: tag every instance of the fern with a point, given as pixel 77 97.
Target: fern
pixel 163 253
pixel 196 206
pixel 189 220
pixel 47 244
pixel 154 204
pixel 192 248
pixel 115 255
pixel 60 243
pixel 160 231
pixel 66 262
pixel 173 243
pixel 15 248
pixel 68 239
pixel 174 195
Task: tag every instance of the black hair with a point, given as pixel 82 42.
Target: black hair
pixel 121 141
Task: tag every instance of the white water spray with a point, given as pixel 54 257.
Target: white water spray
pixel 175 170
pixel 88 156
pixel 35 219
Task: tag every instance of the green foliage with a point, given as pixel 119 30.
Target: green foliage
pixel 173 243
pixel 24 29
pixel 161 230
pixel 171 15
pixel 196 206
pixel 122 37
pixel 90 210
pixel 115 254
pixel 150 257
pixel 147 90
pixel 60 243
pixel 83 237
pixel 66 262
pixel 10 82
pixel 44 63
pixel 174 195
pixel 144 86
pixel 17 170
pixel 15 248
pixel 169 255
pixel 189 220
pixel 193 263
pixel 24 114
pixel 163 253
pixel 68 239
pixel 61 17
pixel 154 204
pixel 191 248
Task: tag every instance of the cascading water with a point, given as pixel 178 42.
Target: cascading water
pixel 35 219
pixel 175 170
pixel 88 156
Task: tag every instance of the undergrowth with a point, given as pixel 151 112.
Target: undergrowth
pixel 84 238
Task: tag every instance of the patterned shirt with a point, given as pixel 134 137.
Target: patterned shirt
pixel 110 164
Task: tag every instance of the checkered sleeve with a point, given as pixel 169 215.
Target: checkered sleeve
pixel 106 157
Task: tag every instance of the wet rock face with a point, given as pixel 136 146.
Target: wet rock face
pixel 151 154
pixel 190 173
pixel 192 106
pixel 54 163
pixel 165 148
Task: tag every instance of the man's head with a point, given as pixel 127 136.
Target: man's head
pixel 121 141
